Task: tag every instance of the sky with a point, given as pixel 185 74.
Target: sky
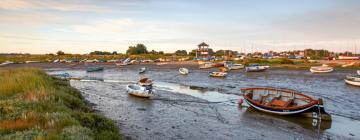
pixel 82 26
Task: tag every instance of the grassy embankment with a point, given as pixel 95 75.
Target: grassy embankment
pixel 34 105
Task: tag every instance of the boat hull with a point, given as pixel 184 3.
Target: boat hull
pixel 317 70
pixel 352 82
pixel 256 69
pixel 183 71
pixel 139 92
pixel 283 111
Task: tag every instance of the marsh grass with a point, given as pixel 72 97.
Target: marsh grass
pixel 34 105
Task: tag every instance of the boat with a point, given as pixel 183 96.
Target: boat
pixel 358 72
pixel 283 101
pixel 94 69
pixel 6 63
pixel 138 91
pixel 321 69
pixel 232 66
pixel 142 70
pixel 256 68
pixel 217 74
pixel 205 65
pixel 348 65
pixel 121 64
pixel 218 65
pixel 352 81
pixel 184 71
pixel 353 77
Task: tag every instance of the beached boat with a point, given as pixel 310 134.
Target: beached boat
pixel 217 74
pixel 206 65
pixel 142 70
pixel 352 81
pixel 6 63
pixel 348 65
pixel 353 77
pixel 321 69
pixel 282 101
pixel 218 65
pixel 232 66
pixel 256 68
pixel 139 91
pixel 94 69
pixel 184 71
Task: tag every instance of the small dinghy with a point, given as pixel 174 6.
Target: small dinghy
pixel 217 74
pixel 232 66
pixel 256 68
pixel 352 80
pixel 321 69
pixel 282 101
pixel 142 70
pixel 217 64
pixel 206 65
pixel 94 69
pixel 139 91
pixel 184 71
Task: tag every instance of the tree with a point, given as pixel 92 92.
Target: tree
pixel 193 52
pixel 100 53
pixel 60 53
pixel 181 52
pixel 161 52
pixel 114 53
pixel 138 49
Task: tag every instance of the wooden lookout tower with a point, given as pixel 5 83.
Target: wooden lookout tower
pixel 203 51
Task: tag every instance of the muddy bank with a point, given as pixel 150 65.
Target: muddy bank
pixel 179 112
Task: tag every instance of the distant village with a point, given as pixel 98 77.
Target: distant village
pixel 204 52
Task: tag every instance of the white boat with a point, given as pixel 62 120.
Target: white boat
pixel 353 77
pixel 121 64
pixel 352 82
pixel 348 65
pixel 139 91
pixel 321 69
pixel 27 62
pixel 217 74
pixel 184 71
pixel 161 63
pixel 358 72
pixel 6 63
pixel 142 70
pixel 256 68
pixel 206 65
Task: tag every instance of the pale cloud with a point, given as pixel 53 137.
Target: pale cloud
pixel 51 5
pixel 105 27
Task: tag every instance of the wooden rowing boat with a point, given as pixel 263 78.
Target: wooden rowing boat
pixel 282 101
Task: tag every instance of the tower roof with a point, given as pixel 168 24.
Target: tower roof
pixel 203 44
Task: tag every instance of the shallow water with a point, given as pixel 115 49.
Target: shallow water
pixel 178 110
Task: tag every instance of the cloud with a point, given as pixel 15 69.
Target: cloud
pixel 339 22
pixel 105 27
pixel 50 5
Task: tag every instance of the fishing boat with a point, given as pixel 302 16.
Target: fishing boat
pixel 205 65
pixel 256 68
pixel 321 69
pixel 142 70
pixel 94 69
pixel 232 66
pixel 217 74
pixel 184 71
pixel 138 91
pixel 282 101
